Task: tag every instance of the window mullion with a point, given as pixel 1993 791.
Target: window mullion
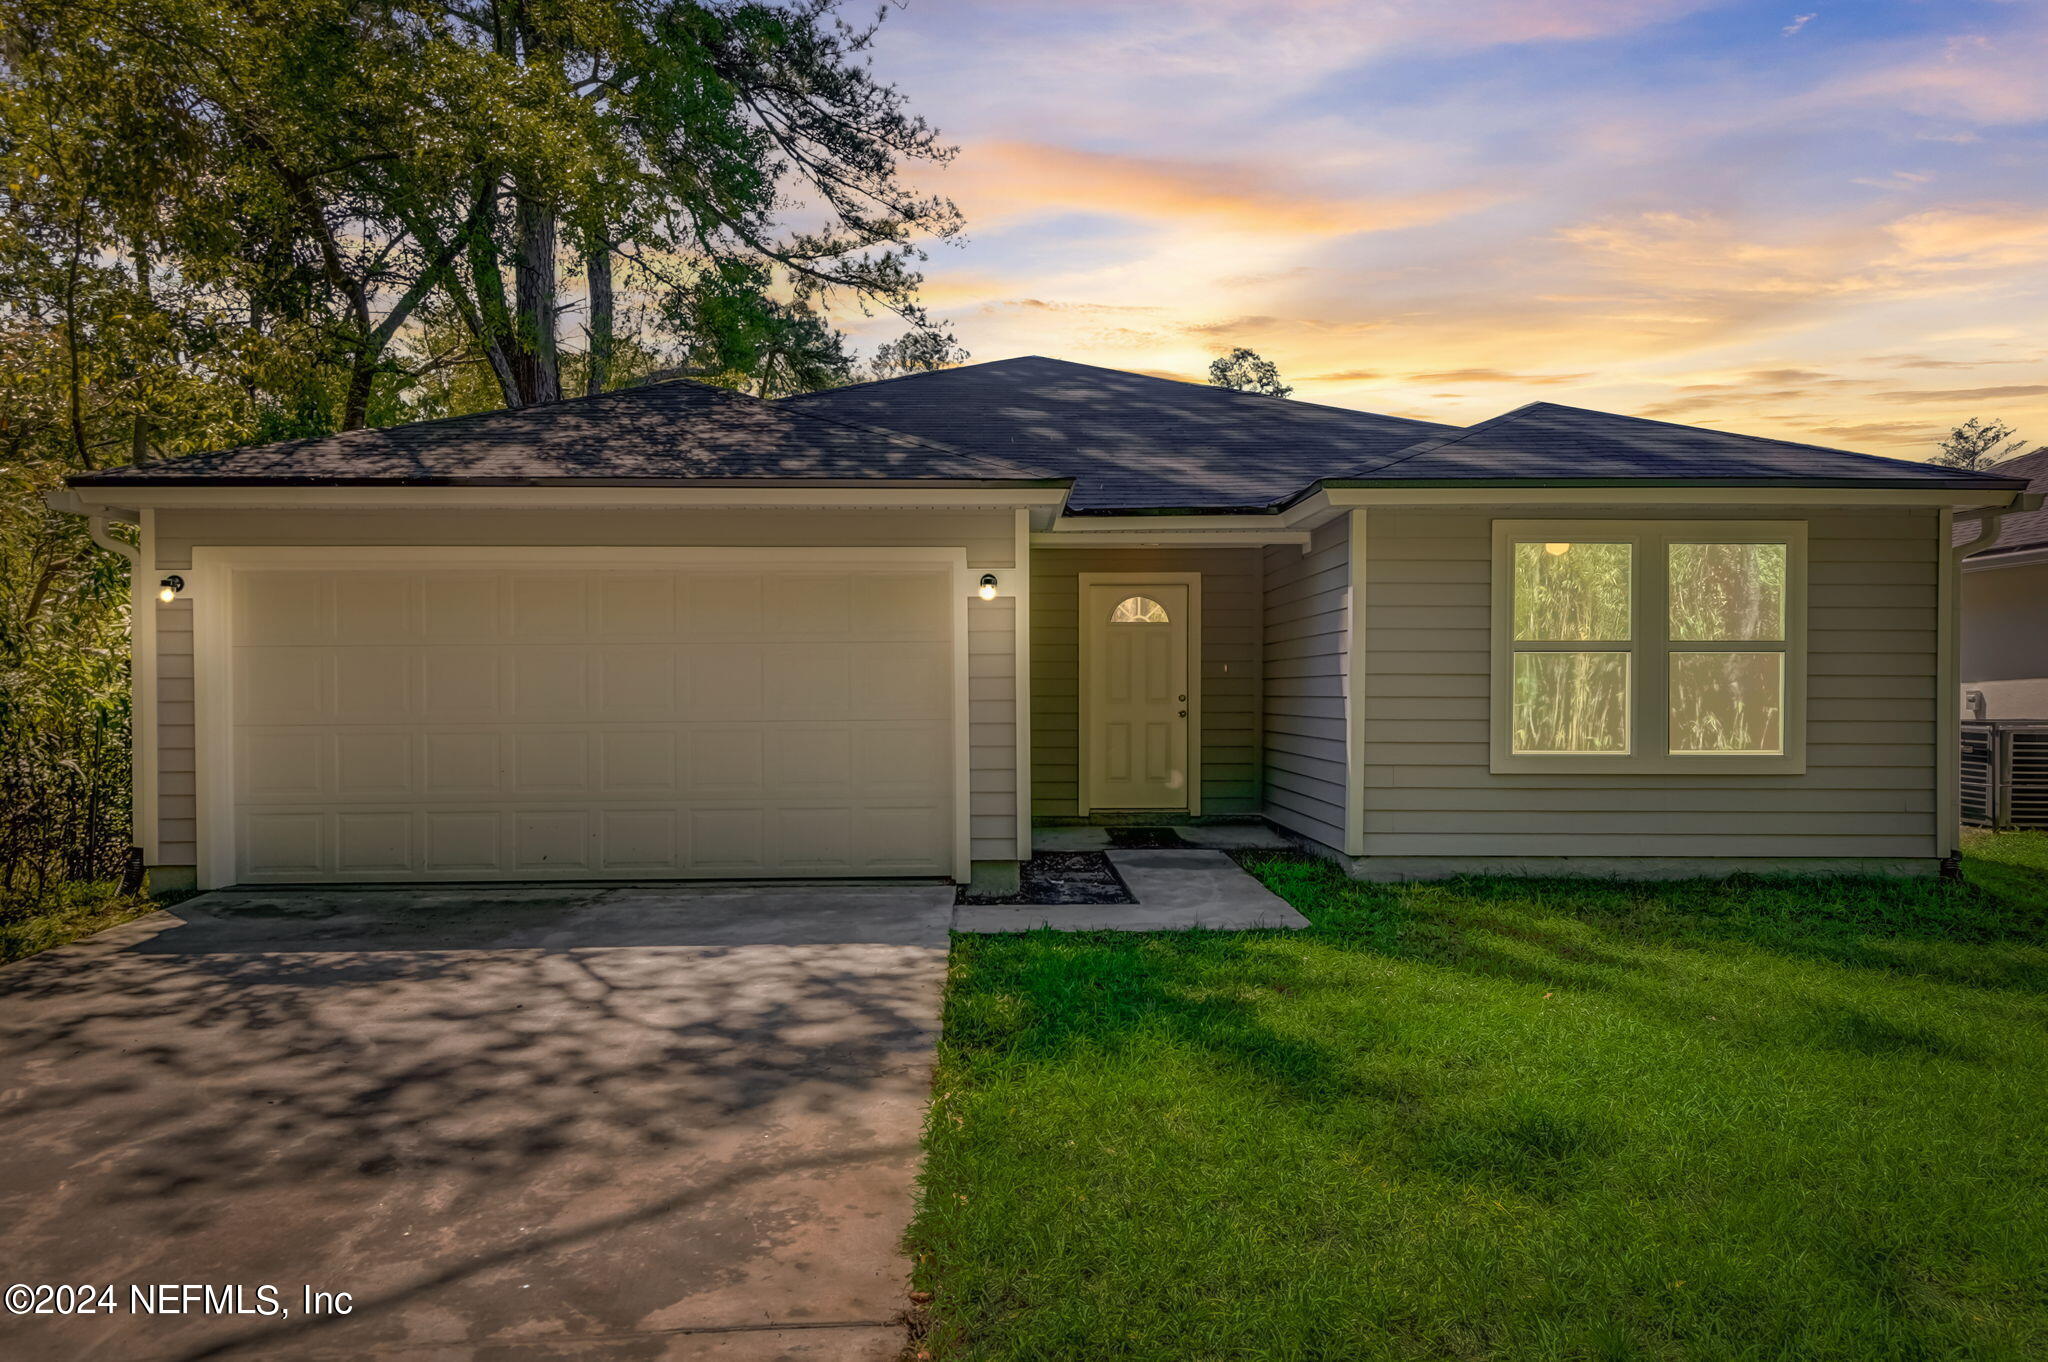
pixel 1653 633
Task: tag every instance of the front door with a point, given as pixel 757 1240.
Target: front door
pixel 1137 688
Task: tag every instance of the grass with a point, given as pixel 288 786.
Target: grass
pixel 1490 1118
pixel 66 912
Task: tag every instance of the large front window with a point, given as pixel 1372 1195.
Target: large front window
pixel 1668 645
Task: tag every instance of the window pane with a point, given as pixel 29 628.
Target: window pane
pixel 1138 610
pixel 1571 702
pixel 1727 702
pixel 1727 591
pixel 1572 593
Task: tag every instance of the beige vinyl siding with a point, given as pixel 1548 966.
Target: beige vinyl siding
pixel 1869 786
pixel 1307 628
pixel 1231 611
pixel 989 538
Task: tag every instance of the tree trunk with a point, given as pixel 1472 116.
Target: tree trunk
pixel 138 446
pixel 598 365
pixel 535 362
pixel 355 406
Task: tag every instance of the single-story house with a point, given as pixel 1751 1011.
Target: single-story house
pixel 674 631
pixel 2005 608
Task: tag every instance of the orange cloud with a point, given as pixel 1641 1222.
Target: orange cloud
pixel 998 180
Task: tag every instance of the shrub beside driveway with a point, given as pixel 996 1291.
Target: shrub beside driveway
pixel 1497 1118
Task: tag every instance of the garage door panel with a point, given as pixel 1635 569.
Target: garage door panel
pixel 552 607
pixel 811 761
pixel 462 684
pixel 286 608
pixel 284 763
pixel 636 606
pixel 644 840
pixel 726 841
pixel 462 842
pixel 902 761
pixel 373 843
pixel 637 763
pixel 816 841
pixel 462 764
pixel 284 844
pixel 723 762
pixel 721 605
pixel 806 681
pixel 377 607
pixel 807 606
pixel 695 723
pixel 284 685
pixel 551 762
pixel 461 607
pixel 549 684
pixel 723 682
pixel 637 683
pixel 899 680
pixel 551 841
pixel 375 685
pixel 375 763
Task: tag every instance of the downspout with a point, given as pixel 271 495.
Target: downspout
pixel 1949 669
pixel 141 687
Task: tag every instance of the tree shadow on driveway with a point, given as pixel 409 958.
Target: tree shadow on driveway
pixel 506 1117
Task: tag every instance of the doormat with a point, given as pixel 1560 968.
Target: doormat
pixel 1146 839
pixel 1056 877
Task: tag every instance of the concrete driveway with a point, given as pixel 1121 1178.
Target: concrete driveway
pixel 598 1123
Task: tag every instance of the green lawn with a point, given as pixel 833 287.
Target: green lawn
pixel 1490 1118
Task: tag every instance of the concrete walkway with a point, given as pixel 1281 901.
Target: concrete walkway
pixel 1175 891
pixel 521 1123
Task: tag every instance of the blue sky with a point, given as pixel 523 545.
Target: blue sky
pixel 1827 221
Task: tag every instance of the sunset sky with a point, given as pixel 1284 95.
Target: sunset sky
pixel 1826 221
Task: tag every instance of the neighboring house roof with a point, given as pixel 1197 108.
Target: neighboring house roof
pixel 2026 531
pixel 661 433
pixel 1129 441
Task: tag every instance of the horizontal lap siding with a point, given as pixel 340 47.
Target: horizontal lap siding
pixel 1307 630
pixel 1231 610
pixel 988 537
pixel 1869 786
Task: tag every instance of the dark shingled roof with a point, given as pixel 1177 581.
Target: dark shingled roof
pixel 660 433
pixel 2027 529
pixel 1545 442
pixel 1130 441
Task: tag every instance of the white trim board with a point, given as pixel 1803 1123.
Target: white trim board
pixel 209 581
pixel 1193 582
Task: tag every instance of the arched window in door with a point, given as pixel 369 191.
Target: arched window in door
pixel 1138 610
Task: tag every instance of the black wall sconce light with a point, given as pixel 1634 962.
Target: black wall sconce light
pixel 167 590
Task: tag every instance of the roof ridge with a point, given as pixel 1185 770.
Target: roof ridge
pixel 1739 435
pixel 1435 442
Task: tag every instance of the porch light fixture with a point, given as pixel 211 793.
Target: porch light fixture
pixel 1557 550
pixel 167 590
pixel 988 586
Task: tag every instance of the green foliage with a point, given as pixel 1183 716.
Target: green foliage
pixel 1501 1118
pixel 1247 371
pixel 1978 444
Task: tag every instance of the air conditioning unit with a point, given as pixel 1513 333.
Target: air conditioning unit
pixel 2005 773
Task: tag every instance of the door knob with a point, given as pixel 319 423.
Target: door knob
pixel 1183 714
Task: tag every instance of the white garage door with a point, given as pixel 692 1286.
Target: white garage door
pixel 584 723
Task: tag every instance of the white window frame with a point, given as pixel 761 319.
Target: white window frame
pixel 1650 646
